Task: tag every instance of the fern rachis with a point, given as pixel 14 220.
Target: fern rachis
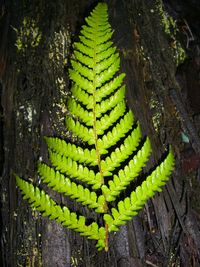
pixel 116 152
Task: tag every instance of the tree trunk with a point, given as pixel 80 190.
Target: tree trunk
pixel 34 53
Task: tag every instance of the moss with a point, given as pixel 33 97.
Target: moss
pixel 157 111
pixel 28 35
pixel 170 28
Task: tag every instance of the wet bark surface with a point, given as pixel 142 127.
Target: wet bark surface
pixel 164 97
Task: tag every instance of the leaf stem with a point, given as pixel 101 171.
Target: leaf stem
pixel 96 143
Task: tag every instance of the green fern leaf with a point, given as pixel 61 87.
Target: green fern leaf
pixel 109 87
pixel 43 203
pixel 111 152
pixel 84 58
pixel 78 129
pixel 61 184
pixel 118 132
pixel 74 170
pixel 85 116
pixel 130 206
pixel 81 81
pixel 82 70
pixel 123 152
pixel 111 102
pixel 76 153
pixel 108 120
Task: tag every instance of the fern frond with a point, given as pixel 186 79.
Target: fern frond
pixel 81 131
pixel 42 202
pixel 110 146
pixel 87 42
pixel 131 205
pixel 101 38
pixel 77 110
pixel 75 170
pixel 82 70
pixel 121 153
pixel 84 49
pixel 160 175
pixel 76 153
pixel 118 132
pixel 106 63
pixel 62 184
pixel 87 99
pixel 102 47
pixel 82 97
pixel 111 102
pixel 107 121
pixel 82 58
pixel 106 54
pixel 126 175
pixel 107 74
pixel 109 87
pixel 81 81
pixel 93 30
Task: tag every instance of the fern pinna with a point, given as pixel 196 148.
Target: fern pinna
pixel 111 152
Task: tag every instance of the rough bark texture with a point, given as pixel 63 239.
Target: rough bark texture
pixel 33 89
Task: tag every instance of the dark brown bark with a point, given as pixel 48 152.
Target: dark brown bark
pixel 166 231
